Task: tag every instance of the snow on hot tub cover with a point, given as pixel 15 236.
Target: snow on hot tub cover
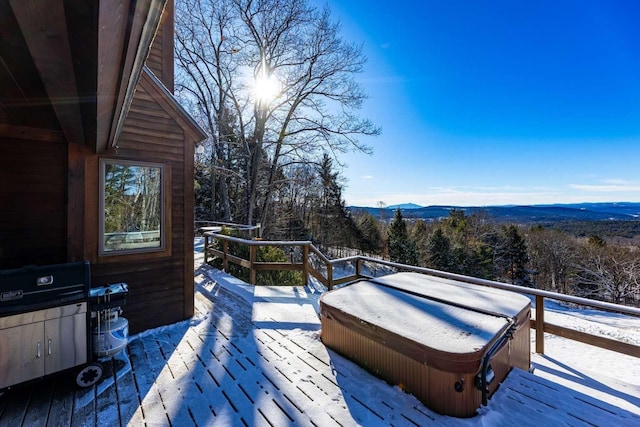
pixel 482 298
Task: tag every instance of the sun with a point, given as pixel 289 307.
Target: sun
pixel 266 88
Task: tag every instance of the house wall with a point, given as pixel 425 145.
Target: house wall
pixel 50 189
pixel 160 284
pixel 49 199
pixel 160 59
pixel 33 200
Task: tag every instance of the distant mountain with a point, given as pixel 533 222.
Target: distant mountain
pixel 405 206
pixel 620 211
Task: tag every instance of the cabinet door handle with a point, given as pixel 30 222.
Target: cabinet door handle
pixel 49 347
pixel 38 350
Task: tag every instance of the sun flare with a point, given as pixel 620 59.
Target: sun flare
pixel 266 88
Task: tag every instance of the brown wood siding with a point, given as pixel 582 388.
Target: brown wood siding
pixel 189 213
pixel 154 60
pixel 160 59
pixel 156 283
pixel 33 202
pixel 155 290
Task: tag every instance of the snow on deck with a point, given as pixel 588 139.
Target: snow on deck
pixel 253 356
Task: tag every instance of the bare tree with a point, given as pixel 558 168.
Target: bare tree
pixel 553 256
pixel 208 66
pixel 295 204
pixel 297 49
pixel 610 273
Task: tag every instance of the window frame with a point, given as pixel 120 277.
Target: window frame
pixel 165 213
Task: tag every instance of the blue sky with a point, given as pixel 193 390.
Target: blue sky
pixel 497 102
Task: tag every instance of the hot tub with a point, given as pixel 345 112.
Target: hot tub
pixel 448 343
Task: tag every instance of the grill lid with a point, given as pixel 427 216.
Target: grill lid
pixel 34 287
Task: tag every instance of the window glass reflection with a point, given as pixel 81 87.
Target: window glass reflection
pixel 132 207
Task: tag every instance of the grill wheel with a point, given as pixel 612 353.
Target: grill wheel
pixel 89 375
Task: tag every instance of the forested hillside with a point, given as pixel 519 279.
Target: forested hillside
pixel 542 214
pixel 594 266
pixel 614 230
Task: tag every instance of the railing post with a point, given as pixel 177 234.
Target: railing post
pixel 358 267
pixel 330 276
pixel 305 264
pixel 206 247
pixel 225 260
pixel 539 324
pixel 252 259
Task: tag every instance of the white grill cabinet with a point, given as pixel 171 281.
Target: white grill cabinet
pixel 42 342
pixel 44 321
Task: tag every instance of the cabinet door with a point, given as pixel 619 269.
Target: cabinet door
pixel 22 351
pixel 65 344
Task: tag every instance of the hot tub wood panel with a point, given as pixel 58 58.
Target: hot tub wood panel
pixel 437 330
pixel 434 387
pixel 419 351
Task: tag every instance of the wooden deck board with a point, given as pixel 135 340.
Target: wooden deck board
pixel 107 400
pixel 308 373
pixel 546 397
pixel 39 404
pixel 128 402
pixel 84 408
pixel 16 406
pixel 61 410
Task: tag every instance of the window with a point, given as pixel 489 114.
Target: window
pixel 132 207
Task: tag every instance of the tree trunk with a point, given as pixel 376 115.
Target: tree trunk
pixel 223 189
pixel 255 161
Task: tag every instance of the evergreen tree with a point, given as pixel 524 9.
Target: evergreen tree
pixel 470 252
pixel 515 254
pixel 420 235
pixel 333 224
pixel 371 240
pixel 401 248
pixel 439 255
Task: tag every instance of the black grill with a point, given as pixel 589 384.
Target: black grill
pixel 39 287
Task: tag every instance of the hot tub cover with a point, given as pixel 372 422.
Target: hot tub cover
pixel 445 336
pixel 480 298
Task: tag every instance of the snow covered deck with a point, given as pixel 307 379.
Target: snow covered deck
pixel 252 356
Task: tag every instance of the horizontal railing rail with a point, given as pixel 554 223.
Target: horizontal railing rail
pixel 201 227
pixel 313 259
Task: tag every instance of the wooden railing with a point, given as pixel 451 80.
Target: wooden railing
pixel 201 227
pixel 313 259
pixel 252 263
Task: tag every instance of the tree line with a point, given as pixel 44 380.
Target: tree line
pixel 311 207
pixel 534 256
